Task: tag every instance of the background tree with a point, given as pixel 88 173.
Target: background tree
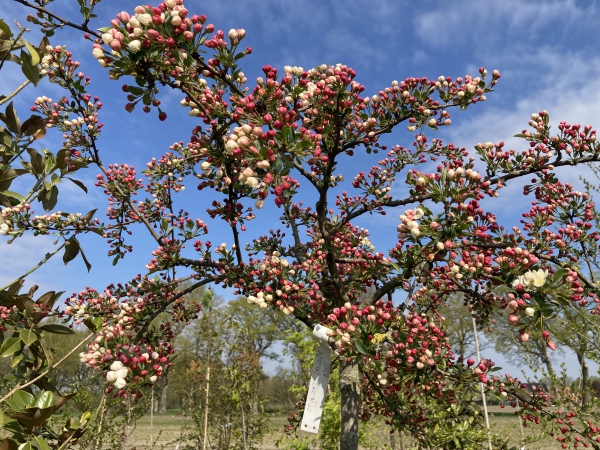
pixel 458 324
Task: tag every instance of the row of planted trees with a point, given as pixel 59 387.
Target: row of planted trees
pixel 277 144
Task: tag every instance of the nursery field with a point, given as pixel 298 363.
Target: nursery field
pixel 167 429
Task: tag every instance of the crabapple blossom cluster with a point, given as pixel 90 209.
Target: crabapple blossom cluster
pixel 135 366
pixel 117 374
pixel 76 131
pixel 409 223
pixel 18 219
pixel 531 279
pixel 116 322
pixel 279 295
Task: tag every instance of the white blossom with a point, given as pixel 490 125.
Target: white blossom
pixel 531 279
pixel 144 19
pixel 135 45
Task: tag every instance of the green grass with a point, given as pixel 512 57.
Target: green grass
pixel 166 432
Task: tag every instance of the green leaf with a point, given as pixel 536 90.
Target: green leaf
pixel 37 161
pixel 78 183
pixel 29 69
pixel 49 198
pixel 559 274
pixel 10 346
pixel 45 400
pixel 17 358
pixel 12 119
pixel 89 215
pixel 360 347
pixel 28 336
pixel 5 28
pixel 13 195
pixel 35 57
pixel 6 178
pixel 71 250
pixel 85 260
pixel 21 400
pixel 40 443
pixel 94 324
pixel 35 127
pixel 57 329
pixel 60 159
pixel 49 298
pixel 135 90
pixel 43 47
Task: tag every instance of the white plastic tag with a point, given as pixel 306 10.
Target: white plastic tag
pixel 318 382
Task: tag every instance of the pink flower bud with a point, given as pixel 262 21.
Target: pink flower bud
pixel 123 16
pixel 115 45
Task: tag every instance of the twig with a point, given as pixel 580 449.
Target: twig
pixel 15 92
pixel 102 409
pixel 165 304
pixel 60 19
pixel 14 44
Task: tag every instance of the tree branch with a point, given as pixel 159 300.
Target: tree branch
pixel 60 19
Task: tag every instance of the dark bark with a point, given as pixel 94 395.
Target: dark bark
pixel 164 391
pixel 349 387
pixel 585 379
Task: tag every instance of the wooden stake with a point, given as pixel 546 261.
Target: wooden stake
pixel 206 408
pixel 487 419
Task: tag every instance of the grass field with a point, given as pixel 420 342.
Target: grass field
pixel 167 428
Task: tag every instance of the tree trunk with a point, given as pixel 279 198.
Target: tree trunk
pixel 546 360
pixel 349 388
pixel 164 391
pixel 585 378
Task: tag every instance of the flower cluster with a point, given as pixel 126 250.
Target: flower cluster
pixel 531 279
pixel 117 375
pixel 409 223
pixel 18 218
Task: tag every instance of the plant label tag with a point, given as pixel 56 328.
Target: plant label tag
pixel 319 380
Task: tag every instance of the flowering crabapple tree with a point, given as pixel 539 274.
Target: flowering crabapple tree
pixel 280 140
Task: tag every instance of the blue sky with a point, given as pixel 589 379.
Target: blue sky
pixel 546 52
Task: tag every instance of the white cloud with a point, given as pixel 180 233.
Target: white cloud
pixel 568 88
pixel 23 254
pixel 480 23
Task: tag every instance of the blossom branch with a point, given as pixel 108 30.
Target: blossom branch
pixel 64 22
pixel 169 301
